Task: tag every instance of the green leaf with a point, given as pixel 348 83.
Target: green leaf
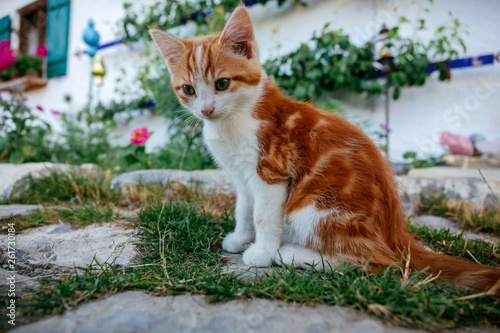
pixel 396 93
pixel 409 154
pixel 300 92
pixel 131 159
pixel 393 33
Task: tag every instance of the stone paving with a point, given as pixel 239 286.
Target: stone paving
pixel 50 249
pixel 138 312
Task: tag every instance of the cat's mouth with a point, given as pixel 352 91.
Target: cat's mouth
pixel 212 117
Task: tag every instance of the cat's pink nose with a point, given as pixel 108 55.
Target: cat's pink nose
pixel 207 112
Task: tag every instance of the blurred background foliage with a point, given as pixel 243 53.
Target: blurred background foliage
pixel 317 71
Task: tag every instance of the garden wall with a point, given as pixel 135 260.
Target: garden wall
pixel 467 104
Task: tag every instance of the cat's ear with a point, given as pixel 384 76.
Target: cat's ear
pixel 170 47
pixel 238 33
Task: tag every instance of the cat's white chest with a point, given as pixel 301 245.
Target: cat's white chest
pixel 234 145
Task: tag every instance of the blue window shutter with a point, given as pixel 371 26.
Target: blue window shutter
pixel 57 37
pixel 5 28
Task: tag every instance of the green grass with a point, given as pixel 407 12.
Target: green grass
pixel 94 188
pixel 78 215
pixel 34 219
pixel 181 253
pixel 73 188
pixel 443 241
pixel 464 213
pixel 86 214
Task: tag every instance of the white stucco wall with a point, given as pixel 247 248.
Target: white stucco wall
pixel 468 104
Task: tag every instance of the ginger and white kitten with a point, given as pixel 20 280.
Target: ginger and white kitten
pixel 310 186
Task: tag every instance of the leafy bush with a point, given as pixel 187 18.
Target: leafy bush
pixel 167 14
pixel 24 137
pixel 330 62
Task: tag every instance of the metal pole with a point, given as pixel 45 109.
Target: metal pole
pixel 387 119
pixel 90 85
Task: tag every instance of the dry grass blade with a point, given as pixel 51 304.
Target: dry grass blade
pixel 493 291
pixel 161 243
pixel 379 309
pixel 181 164
pixel 473 257
pixel 406 272
pixel 489 186
pixel 428 279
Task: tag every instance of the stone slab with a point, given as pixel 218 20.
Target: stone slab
pixel 465 184
pixel 63 246
pixel 21 282
pixel 209 180
pixel 138 312
pixel 236 265
pixel 13 210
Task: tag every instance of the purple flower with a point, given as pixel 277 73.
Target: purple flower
pixel 55 112
pixel 386 127
pixel 299 69
pixel 39 108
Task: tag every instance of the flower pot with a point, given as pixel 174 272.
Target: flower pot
pixel 32 73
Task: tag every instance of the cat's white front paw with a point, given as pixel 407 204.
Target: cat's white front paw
pixel 235 243
pixel 257 256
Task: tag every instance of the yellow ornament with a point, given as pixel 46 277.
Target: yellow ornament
pixel 98 70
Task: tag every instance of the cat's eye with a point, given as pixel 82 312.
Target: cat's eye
pixel 189 90
pixel 222 84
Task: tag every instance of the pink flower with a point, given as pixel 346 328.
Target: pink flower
pixel 300 70
pixel 7 58
pixel 55 112
pixel 41 50
pixel 39 108
pixel 386 127
pixel 4 44
pixel 139 136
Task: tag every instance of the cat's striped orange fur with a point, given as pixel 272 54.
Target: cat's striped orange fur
pixel 310 185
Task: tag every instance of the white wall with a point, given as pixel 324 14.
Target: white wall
pixel 469 103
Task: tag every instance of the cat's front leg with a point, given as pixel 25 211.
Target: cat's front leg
pixel 268 220
pixel 244 233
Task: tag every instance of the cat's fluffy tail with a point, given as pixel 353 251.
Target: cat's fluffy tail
pixel 466 274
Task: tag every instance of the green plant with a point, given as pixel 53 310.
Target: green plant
pixel 415 162
pixel 171 13
pixel 330 62
pixel 154 80
pixel 106 113
pixel 26 63
pixel 83 140
pixel 24 137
